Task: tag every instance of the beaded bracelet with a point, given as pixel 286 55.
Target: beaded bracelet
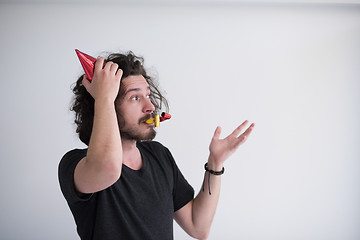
pixel 213 173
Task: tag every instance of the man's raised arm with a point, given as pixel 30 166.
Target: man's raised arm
pixel 196 217
pixel 102 165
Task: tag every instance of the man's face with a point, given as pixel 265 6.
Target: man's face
pixel 134 108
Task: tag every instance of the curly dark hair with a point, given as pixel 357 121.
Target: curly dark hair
pixel 83 102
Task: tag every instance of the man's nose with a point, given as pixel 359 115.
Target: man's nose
pixel 148 107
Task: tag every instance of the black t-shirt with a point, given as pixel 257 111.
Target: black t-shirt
pixel 140 205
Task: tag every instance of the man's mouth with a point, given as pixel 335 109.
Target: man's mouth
pixel 156 119
pixel 145 119
pixel 150 121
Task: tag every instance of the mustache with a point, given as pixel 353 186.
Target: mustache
pixel 146 117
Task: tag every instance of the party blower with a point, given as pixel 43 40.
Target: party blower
pixel 88 64
pixel 157 119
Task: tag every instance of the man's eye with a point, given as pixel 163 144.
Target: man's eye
pixel 134 98
pixel 148 96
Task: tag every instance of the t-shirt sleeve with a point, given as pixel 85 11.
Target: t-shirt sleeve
pixel 66 175
pixel 183 192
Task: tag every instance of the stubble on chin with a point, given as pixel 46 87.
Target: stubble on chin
pixel 134 133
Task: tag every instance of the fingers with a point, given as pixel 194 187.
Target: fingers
pixel 217 132
pixel 119 73
pixel 249 130
pixel 99 64
pixel 114 67
pixel 239 129
pixel 109 66
pixel 243 137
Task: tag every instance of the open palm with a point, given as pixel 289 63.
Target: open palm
pixel 221 149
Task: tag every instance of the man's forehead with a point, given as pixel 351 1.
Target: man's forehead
pixel 137 82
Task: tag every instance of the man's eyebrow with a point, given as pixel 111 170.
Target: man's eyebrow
pixel 135 90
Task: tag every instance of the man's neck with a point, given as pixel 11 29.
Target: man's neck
pixel 131 154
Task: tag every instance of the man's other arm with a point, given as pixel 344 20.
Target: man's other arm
pixel 196 217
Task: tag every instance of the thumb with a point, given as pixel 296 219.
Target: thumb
pixel 217 132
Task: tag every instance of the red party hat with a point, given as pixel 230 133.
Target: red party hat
pixel 87 62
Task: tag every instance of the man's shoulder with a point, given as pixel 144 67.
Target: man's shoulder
pixel 73 155
pixel 74 152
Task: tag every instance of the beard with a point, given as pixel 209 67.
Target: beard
pixel 135 133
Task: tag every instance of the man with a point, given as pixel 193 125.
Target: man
pixel 125 186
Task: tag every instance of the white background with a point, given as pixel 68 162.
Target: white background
pixel 292 68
